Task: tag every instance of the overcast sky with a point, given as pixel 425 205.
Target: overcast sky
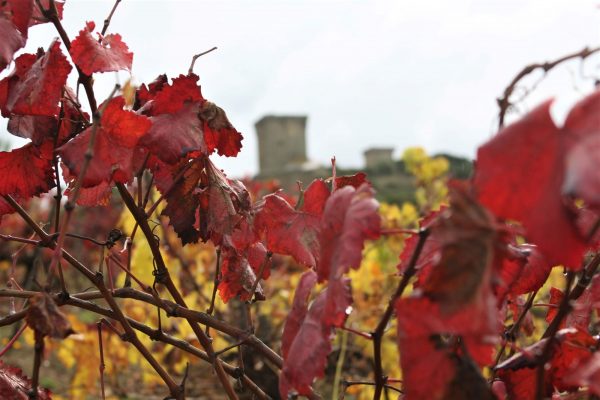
pixel 367 73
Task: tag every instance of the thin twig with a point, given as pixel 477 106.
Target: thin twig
pixel 163 276
pixel 37 362
pixel 102 365
pixel 511 334
pixel 504 102
pixel 379 331
pixel 365 335
pixel 216 283
pixel 109 18
pixel 70 205
pixel 261 270
pixel 550 334
pixel 13 340
pixel 194 58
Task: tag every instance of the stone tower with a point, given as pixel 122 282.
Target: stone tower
pixel 281 143
pixel 375 157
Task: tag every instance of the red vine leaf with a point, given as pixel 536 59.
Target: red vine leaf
pixel 183 202
pixel 522 276
pixel 161 98
pixel 93 196
pixel 38 88
pixel 315 196
pixel 116 137
pixel 38 18
pixel 299 309
pixel 239 273
pixel 172 136
pixel 307 353
pixel 288 231
pixel 586 374
pixel 16 386
pixel 107 54
pixel 20 12
pixel 355 180
pixel 582 178
pixel 219 134
pixel 12 40
pixel 350 217
pixel 27 171
pixel 534 144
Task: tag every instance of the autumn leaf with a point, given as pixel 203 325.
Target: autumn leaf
pixel 586 374
pixel 38 18
pixel 288 231
pixel 172 136
pixel 205 204
pixel 160 97
pixel 238 273
pixel 526 274
pixel 581 177
pixel 298 311
pixel 183 202
pixel 27 171
pixel 109 53
pixel 314 198
pixel 38 88
pixel 307 354
pixel 570 349
pixel 522 173
pixel 350 217
pixel 12 40
pixel 16 386
pixel 355 180
pixel 116 137
pixel 219 134
pixel 44 317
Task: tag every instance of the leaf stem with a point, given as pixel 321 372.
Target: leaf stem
pixel 380 329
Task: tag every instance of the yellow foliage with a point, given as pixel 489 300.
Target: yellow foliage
pixel 431 176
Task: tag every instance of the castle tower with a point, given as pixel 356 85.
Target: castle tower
pixel 281 143
pixel 376 157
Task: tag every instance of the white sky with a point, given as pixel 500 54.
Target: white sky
pixel 367 73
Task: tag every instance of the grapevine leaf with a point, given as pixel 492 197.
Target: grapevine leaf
pixel 314 198
pixel 38 18
pixel 239 273
pixel 355 180
pixel 582 178
pixel 307 354
pixel 183 202
pixel 27 171
pixel 462 273
pixel 12 40
pixel 21 12
pixel 44 317
pixel 116 138
pixel 519 176
pixel 16 386
pixel 219 134
pixel 172 136
pixel 524 276
pixel 161 98
pixel 586 374
pixel 350 217
pixel 419 320
pixel 109 53
pixel 288 231
pixel 38 90
pixel 298 311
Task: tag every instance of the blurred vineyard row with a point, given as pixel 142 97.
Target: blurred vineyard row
pixel 71 367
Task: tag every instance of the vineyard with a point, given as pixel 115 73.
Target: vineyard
pixel 132 266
